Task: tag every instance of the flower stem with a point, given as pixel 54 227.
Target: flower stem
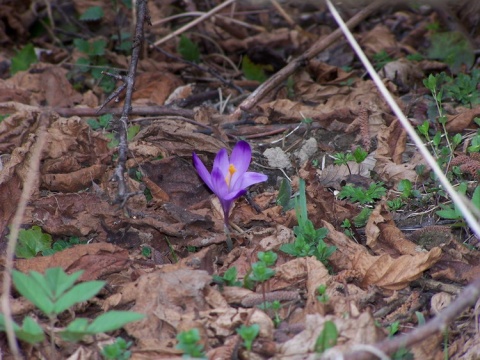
pixel 229 239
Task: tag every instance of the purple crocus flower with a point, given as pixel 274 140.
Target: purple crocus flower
pixel 229 178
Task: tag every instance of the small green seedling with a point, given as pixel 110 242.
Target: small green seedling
pixel 268 257
pixel 364 196
pixel 31 242
pixel 395 204
pixel 189 343
pixel 118 350
pixel 284 198
pixel 253 71
pixel 55 292
pixel 23 59
pixel 102 122
pixel 61 245
pixel 274 306
pixel 347 225
pixel 229 278
pixel 248 334
pixel 308 240
pixel 381 59
pixel 452 212
pixel 358 155
pixel 327 338
pixel 188 49
pixel 322 294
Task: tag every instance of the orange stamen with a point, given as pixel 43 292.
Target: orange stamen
pixel 231 171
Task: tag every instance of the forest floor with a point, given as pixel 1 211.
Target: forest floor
pixel 351 248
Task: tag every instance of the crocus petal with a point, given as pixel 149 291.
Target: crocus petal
pixel 241 156
pixel 221 162
pixel 220 187
pixel 250 178
pixel 235 194
pixel 202 171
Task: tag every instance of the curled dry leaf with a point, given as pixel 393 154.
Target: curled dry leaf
pixel 384 237
pixel 360 330
pixel 391 145
pixel 383 271
pixel 457 123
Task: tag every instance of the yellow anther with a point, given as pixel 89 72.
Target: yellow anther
pixel 231 171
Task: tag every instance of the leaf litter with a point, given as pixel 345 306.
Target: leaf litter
pixel 172 213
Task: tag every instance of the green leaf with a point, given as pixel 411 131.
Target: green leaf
pixel 252 71
pixel 98 47
pixel 58 281
pixel 188 49
pixel 113 320
pixel 32 291
pixel 132 131
pixel 284 194
pixel 327 338
pixel 248 334
pixel 476 197
pixel 93 13
pixel 80 292
pixel 453 48
pixel 30 332
pixel 23 59
pixel 31 242
pixel 2 324
pixel 76 330
pixel 449 213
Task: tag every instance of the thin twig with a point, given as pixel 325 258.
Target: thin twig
pixel 194 22
pixel 282 75
pixel 468 297
pixel 27 190
pixel 142 16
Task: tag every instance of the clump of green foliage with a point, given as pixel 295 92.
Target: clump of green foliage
pixel 189 343
pixel 308 240
pixel 52 294
pixel 248 334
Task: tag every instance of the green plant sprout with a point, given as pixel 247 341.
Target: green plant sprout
pixel 395 204
pixel 118 350
pixel 274 306
pixel 229 278
pixel 31 242
pixel 260 271
pixel 189 344
pixel 248 334
pixel 102 122
pixel 380 59
pixel 347 225
pixel 61 245
pixel 23 59
pixel 94 62
pixel 308 240
pixel 322 294
pixel 364 196
pixel 358 155
pixel 188 49
pixel 52 294
pixel 284 197
pixel 253 71
pixel 327 338
pixel 451 212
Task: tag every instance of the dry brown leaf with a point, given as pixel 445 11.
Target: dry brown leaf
pixel 73 181
pixel 179 139
pixel 46 84
pixel 391 145
pixel 458 123
pixel 97 260
pixel 351 331
pixel 384 237
pixel 383 271
pixel 378 39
